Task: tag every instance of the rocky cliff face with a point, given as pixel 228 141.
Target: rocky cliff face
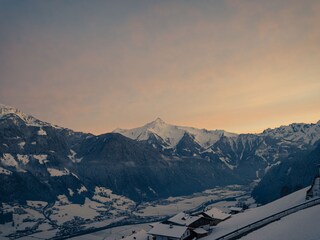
pixel 292 174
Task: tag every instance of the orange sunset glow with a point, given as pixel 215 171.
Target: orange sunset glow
pixel 242 66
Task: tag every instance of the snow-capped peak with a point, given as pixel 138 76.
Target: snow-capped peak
pixel 4 110
pixel 158 121
pixel 296 132
pixel 28 119
pixel 172 134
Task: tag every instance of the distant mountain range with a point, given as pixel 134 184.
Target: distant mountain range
pixel 40 161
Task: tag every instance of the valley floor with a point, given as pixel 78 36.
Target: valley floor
pixel 41 220
pixel 302 224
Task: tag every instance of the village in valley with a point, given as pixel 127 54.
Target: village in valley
pixel 241 214
pixel 179 218
pixel 108 211
pixel 188 224
pixel 185 226
pixel 160 120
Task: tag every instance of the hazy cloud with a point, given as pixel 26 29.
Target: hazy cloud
pixel 94 66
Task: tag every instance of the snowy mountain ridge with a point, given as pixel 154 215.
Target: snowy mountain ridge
pixel 6 111
pixel 296 132
pixel 172 134
pixel 42 162
pixel 168 152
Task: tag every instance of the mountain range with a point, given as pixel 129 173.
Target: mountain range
pixel 40 161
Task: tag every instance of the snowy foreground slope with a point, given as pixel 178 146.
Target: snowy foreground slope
pixel 300 225
pixel 255 214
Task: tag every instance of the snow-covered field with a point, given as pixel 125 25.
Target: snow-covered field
pixel 24 218
pixel 168 207
pixel 42 220
pixel 115 233
pixel 281 229
pixel 174 205
pixel 103 211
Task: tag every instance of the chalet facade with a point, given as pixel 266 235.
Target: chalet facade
pixel 192 222
pixel 186 227
pixel 236 210
pixel 200 232
pixel 314 190
pixel 162 231
pixel 180 227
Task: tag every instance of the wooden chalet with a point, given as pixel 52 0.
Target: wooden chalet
pixel 215 216
pixel 162 231
pixel 198 225
pixel 314 190
pixel 192 222
pixel 236 210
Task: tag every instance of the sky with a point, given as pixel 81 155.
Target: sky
pixel 94 66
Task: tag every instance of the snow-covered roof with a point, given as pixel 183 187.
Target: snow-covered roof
pixel 153 224
pixel 217 214
pixel 168 230
pixel 140 235
pixel 183 219
pixel 236 209
pixel 200 231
